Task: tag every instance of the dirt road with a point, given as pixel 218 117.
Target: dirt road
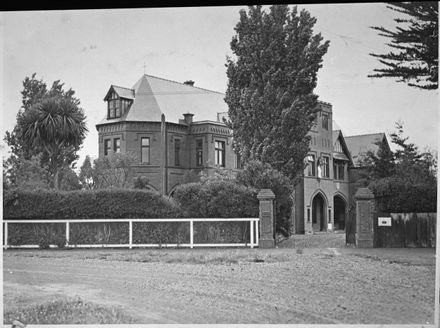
pixel 325 286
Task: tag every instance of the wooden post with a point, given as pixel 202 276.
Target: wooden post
pixel 191 234
pixel 67 233
pixel 6 235
pixel 130 234
pixel 252 233
pixel 257 233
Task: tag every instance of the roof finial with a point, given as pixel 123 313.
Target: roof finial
pixel 144 67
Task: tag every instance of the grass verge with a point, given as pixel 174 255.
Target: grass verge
pixel 69 311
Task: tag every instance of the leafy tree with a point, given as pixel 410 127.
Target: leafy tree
pixel 69 180
pixel 113 171
pixel 411 164
pixel 86 174
pixel 271 82
pixel 379 164
pixel 415 40
pixel 56 128
pixel 403 180
pixel 34 92
pixel 258 175
pixel 31 175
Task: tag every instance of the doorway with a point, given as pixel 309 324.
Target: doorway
pixel 339 213
pixel 318 213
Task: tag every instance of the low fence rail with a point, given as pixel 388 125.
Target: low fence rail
pixel 253 232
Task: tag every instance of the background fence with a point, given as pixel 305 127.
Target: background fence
pixel 171 232
pixel 406 230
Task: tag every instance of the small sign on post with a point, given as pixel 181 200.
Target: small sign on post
pixel 384 222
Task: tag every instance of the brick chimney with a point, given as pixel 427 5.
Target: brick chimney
pixel 188 118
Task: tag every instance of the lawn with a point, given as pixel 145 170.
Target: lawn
pixel 68 310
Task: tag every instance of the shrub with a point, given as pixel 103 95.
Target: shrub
pixel 86 204
pixel 223 199
pixel 396 195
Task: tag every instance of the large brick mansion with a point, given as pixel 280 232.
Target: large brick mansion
pixel 174 128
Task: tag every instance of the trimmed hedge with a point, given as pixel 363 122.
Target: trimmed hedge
pixel 222 199
pixel 87 204
pixel 395 195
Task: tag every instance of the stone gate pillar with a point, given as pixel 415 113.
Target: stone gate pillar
pixel 364 218
pixel 267 218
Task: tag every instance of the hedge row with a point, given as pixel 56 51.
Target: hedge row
pixel 399 196
pixel 211 199
pixel 87 204
pixel 224 199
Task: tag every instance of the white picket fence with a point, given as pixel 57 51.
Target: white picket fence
pixel 253 228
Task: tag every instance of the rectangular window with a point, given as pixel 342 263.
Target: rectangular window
pixel 325 166
pixel 339 170
pixel 117 145
pixel 311 167
pixel 107 146
pixel 220 153
pixel 199 152
pixel 111 109
pixel 117 108
pixel 114 106
pixel 325 121
pixel 177 152
pixel 145 150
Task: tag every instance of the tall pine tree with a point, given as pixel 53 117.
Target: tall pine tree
pixel 415 40
pixel 271 81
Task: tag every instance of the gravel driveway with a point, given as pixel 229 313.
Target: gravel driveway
pixel 285 286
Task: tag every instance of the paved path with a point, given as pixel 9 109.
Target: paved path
pixel 322 287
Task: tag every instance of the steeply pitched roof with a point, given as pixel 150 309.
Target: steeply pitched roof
pixel 359 145
pixel 155 96
pixel 345 155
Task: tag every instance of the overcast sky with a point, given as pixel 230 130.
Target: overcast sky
pixel 89 50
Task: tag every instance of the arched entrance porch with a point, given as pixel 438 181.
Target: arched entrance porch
pixel 340 212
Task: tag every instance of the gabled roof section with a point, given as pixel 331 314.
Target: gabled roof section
pixel 154 96
pixel 121 92
pixel 338 137
pixel 359 145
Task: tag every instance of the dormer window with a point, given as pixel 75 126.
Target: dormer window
pixel 117 106
pixel 118 100
pixel 114 107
